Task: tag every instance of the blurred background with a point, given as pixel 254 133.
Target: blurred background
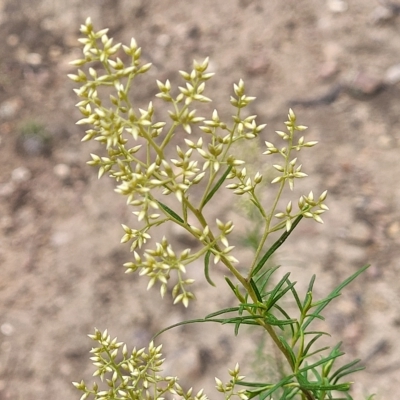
pixel 336 62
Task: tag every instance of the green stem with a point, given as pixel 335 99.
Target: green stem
pixel 223 157
pixel 247 286
pixel 169 134
pixel 267 229
pixel 179 115
pixel 207 189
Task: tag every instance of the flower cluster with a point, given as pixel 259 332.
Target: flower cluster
pixel 306 205
pixel 229 388
pixel 157 264
pixel 147 166
pixel 131 375
pixel 289 171
pixel 146 170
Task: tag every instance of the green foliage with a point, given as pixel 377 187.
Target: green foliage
pixel 150 170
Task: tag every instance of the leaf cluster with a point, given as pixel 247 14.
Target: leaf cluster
pixel 312 377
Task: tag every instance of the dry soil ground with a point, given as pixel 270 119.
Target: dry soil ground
pixel 336 62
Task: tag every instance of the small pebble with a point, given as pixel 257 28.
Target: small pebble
pixel 63 171
pixel 337 6
pixel 363 84
pixel 33 59
pixel 21 174
pixel 393 230
pixel 392 75
pixel 7 329
pixel 10 107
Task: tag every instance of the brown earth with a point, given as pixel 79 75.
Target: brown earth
pixel 336 62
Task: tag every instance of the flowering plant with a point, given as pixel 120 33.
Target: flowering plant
pixel 151 172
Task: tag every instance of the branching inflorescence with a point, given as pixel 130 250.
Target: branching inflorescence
pixel 148 169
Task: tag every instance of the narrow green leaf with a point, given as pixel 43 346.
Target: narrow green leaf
pixel 290 393
pixel 322 361
pixel 246 320
pixel 316 333
pixel 332 295
pixel 265 389
pixel 275 246
pixel 316 316
pixel 280 284
pixel 310 343
pixel 324 300
pixel 219 312
pixel 278 307
pixel 296 296
pixel 317 386
pixel 316 374
pixel 272 320
pixel 237 326
pixel 346 370
pixel 262 386
pixel 173 214
pixel 287 317
pixel 270 302
pixel 242 319
pixel 289 349
pixel 231 285
pixel 308 297
pixel 236 290
pixel 251 394
pixel 315 352
pixel 257 293
pixel 206 268
pixel 241 309
pixel 279 295
pixel 252 305
pixel 265 276
pixel 216 187
pixel 263 395
pixel 191 321
pixel 311 284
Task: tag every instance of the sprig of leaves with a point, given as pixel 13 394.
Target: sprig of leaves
pixel 149 167
pixel 145 172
